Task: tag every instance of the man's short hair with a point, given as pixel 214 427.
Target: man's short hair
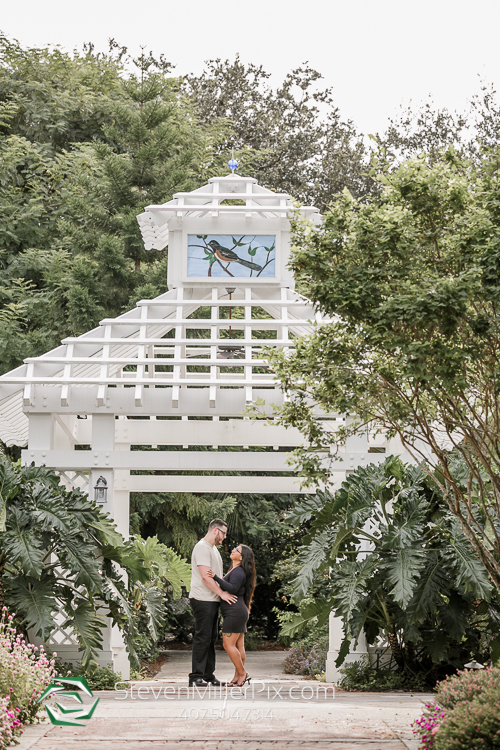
pixel 217 523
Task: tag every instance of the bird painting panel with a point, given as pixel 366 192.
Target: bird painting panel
pixel 223 255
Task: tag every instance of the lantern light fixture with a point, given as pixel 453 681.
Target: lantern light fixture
pixel 473 665
pixel 101 491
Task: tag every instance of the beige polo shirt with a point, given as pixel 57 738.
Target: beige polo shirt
pixel 207 554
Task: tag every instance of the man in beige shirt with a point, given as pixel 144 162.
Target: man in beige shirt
pixel 204 596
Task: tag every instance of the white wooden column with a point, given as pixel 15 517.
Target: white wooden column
pixel 335 638
pixel 117 505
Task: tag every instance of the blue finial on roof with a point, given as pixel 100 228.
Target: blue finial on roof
pixel 232 163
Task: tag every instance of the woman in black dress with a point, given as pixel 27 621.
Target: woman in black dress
pixel 240 581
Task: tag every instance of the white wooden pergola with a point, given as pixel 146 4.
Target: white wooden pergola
pixel 178 371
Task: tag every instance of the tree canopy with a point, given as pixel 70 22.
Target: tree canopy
pixel 291 138
pixel 85 145
pixel 411 281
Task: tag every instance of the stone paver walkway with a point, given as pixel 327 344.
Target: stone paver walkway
pixel 275 712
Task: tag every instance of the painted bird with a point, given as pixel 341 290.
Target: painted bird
pixel 229 256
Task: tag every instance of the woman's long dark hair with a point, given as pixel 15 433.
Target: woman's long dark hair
pixel 248 566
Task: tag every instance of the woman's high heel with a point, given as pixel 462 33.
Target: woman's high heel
pixel 247 679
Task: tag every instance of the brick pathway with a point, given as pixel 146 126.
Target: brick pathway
pixel 279 713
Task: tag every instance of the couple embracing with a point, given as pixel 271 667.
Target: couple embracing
pixel 233 593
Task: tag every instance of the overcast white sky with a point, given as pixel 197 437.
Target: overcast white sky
pixel 376 54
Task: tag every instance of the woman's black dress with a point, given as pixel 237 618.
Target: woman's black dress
pixel 235 615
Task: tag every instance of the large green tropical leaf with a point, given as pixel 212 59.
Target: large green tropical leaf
pixel 454 617
pixel 308 507
pixel 407 526
pixel 178 574
pixel 22 546
pixel 342 537
pixel 87 627
pixel 79 559
pixel 320 609
pixel 114 592
pixel 470 572
pixel 107 532
pixel 311 559
pixel 163 563
pixel 34 601
pixel 350 579
pixel 438 646
pixel 432 584
pixel 126 557
pixel 9 487
pixel 403 568
pixel 50 511
pixel 153 602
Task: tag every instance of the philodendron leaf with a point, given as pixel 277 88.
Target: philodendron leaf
pixel 307 507
pixel 407 524
pixel 51 512
pixel 310 559
pixel 471 573
pixel 8 488
pixel 113 591
pixel 403 569
pixel 107 532
pixel 80 560
pixel 87 627
pixel 349 584
pixel 22 546
pixel 33 599
pixel 431 584
pixel 320 609
pixel 152 601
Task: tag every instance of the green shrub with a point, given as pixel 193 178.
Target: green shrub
pixel 441 724
pixel 252 641
pixel 307 659
pixel 360 675
pixel 466 686
pixel 146 647
pixel 472 725
pixel 98 678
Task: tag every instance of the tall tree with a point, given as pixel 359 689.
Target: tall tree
pixel 291 138
pixel 411 280
pixel 84 146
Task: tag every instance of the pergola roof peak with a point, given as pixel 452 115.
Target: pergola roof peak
pixel 196 348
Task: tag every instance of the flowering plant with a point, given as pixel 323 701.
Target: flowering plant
pixel 25 671
pixel 467 685
pixel 10 726
pixel 473 725
pixel 428 724
pixel 466 716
